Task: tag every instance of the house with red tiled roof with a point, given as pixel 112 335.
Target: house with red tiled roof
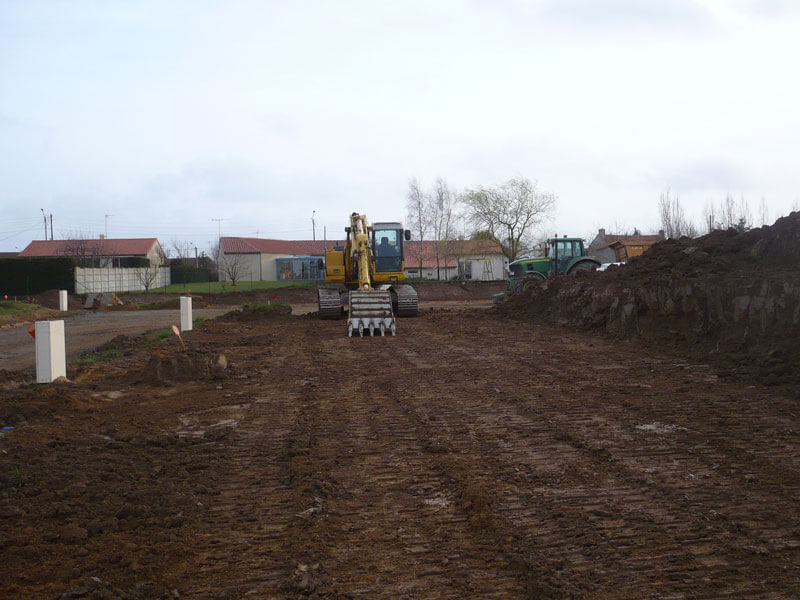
pixel 100 252
pixel 608 248
pixel 478 260
pixel 255 259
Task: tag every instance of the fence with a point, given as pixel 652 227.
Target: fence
pixel 92 281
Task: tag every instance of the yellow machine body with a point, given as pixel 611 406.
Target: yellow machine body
pixel 371 264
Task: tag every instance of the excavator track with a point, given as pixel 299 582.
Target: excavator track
pixel 329 303
pixel 405 300
pixel 371 313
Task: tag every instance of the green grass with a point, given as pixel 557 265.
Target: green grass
pixel 15 478
pixel 97 357
pixel 152 336
pixel 11 307
pixel 218 287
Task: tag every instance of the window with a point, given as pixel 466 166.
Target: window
pixel 388 250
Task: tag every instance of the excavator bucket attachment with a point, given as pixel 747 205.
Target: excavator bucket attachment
pixel 371 313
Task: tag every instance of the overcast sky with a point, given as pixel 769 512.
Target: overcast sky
pixel 167 114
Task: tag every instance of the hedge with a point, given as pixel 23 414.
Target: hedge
pixel 28 276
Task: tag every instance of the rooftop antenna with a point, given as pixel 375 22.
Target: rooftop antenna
pixel 219 225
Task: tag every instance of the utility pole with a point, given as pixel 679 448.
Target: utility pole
pixel 313 226
pixel 106 236
pixel 51 226
pixel 45 223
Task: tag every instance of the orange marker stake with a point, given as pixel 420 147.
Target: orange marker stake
pixel 178 333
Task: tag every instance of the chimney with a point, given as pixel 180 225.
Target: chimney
pixel 102 236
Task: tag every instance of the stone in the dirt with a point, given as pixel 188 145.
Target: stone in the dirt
pixel 72 533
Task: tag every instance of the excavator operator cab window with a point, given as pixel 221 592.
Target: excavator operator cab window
pixel 388 250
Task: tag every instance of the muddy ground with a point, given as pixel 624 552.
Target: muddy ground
pixel 471 456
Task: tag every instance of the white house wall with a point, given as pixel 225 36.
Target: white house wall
pixel 249 266
pixel 491 267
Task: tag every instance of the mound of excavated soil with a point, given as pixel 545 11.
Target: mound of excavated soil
pixel 727 297
pixel 257 312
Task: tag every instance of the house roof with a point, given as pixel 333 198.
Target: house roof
pixel 9 254
pixel 98 247
pixel 447 252
pixel 239 245
pixel 647 240
pixel 633 241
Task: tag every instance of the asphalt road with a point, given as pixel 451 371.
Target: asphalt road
pixel 85 331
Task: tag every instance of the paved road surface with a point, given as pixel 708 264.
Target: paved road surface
pixel 85 331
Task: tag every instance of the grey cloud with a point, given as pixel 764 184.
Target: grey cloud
pixel 705 175
pixel 650 14
pixel 773 8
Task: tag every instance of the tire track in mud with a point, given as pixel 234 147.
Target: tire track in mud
pixel 239 550
pixel 379 522
pixel 612 522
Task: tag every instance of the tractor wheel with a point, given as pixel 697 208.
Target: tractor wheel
pixel 584 266
pixel 527 283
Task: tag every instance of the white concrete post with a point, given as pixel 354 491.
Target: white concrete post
pixel 51 361
pixel 186 313
pixel 62 301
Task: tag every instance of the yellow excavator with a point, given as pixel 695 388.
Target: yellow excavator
pixel 371 266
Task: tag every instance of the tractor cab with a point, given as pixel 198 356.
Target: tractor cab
pixel 562 253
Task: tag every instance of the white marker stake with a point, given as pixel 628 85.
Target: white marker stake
pixel 51 361
pixel 62 301
pixel 186 313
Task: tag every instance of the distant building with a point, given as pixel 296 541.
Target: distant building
pixel 476 260
pixel 102 252
pixel 608 248
pixel 256 259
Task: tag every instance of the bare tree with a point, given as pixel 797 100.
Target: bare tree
pixel 673 218
pixel 763 212
pixel 710 217
pixel 147 275
pixel 509 212
pixel 417 218
pixel 88 251
pixel 232 267
pixel 441 209
pixel 180 249
pixel 727 213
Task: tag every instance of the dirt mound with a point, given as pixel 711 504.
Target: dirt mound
pixel 258 312
pixel 730 298
pixel 192 365
pixel 49 299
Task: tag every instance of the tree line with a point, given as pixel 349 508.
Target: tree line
pixel 506 213
pixel 728 213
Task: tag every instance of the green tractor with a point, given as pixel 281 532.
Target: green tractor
pixel 563 255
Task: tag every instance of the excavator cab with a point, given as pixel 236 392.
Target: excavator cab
pixel 387 250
